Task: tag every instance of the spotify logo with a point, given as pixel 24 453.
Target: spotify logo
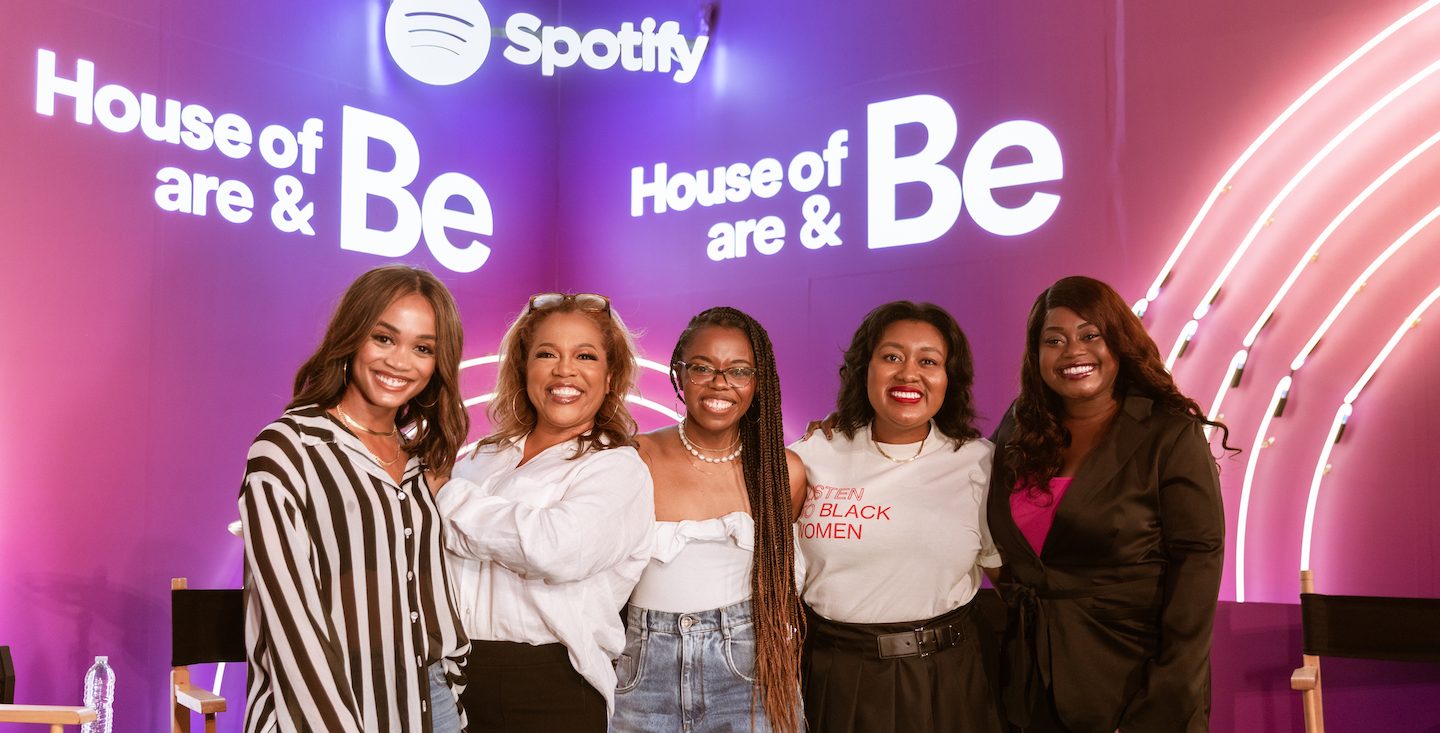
pixel 438 42
pixel 444 42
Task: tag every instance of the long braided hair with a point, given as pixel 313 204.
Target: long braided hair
pixel 779 625
pixel 1035 449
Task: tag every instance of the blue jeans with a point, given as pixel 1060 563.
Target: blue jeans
pixel 444 711
pixel 688 673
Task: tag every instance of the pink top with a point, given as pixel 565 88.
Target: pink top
pixel 1034 512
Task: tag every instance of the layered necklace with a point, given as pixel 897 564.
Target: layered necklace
pixel 352 423
pixel 695 450
pixel 893 459
pixel 394 431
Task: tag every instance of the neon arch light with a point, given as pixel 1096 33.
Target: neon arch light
pixel 1320 169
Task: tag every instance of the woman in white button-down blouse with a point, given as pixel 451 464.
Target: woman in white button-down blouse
pixel 549 522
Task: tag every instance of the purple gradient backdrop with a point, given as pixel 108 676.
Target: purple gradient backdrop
pixel 146 348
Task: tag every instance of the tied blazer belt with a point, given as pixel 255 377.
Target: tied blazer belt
pixel 1027 647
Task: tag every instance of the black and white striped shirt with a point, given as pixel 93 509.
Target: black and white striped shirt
pixel 345 585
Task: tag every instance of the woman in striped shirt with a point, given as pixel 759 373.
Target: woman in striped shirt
pixel 345 588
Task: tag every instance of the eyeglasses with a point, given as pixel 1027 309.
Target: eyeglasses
pixel 585 301
pixel 705 374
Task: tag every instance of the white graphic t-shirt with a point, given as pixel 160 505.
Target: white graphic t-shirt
pixel 888 542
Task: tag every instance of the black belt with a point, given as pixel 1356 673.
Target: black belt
pixel 892 640
pixel 921 642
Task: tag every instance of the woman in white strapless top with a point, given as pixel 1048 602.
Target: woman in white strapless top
pixel 714 628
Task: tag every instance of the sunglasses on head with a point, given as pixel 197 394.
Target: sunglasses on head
pixel 585 301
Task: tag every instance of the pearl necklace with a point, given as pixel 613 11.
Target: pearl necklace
pixel 694 451
pixel 893 458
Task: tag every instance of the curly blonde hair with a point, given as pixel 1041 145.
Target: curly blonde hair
pixel 513 416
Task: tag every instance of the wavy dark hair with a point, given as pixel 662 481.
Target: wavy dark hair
pixel 956 418
pixel 779 624
pixel 1036 445
pixel 437 413
pixel 511 414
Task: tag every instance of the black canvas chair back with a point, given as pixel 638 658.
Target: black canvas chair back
pixel 7 677
pixel 206 626
pixel 1371 627
pixel 1359 627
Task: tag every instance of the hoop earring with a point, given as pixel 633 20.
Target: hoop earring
pixel 345 377
pixel 432 404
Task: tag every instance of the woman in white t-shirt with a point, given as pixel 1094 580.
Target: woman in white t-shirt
pixel 548 524
pixel 713 639
pixel 893 536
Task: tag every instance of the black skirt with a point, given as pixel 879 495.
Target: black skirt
pixel 851 688
pixel 519 688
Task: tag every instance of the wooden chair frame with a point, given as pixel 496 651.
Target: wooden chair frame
pixel 186 699
pixel 1306 679
pixel 57 716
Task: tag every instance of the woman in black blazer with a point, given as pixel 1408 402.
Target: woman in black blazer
pixel 1105 505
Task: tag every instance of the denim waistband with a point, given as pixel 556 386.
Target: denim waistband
pixel 715 619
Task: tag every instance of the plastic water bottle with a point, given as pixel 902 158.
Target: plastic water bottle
pixel 99 695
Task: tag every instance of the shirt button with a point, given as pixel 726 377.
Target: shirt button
pixel 400 496
pixel 414 616
pixel 418 662
pixel 409 531
pixel 410 575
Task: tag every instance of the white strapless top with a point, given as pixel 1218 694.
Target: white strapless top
pixel 698 564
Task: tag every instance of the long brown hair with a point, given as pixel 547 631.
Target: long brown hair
pixel 1035 449
pixel 510 412
pixel 437 412
pixel 956 417
pixel 779 624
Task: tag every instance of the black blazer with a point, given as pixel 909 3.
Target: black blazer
pixel 1114 615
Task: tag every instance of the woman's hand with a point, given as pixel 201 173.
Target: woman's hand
pixel 826 426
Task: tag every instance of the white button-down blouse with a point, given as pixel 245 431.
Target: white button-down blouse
pixel 549 551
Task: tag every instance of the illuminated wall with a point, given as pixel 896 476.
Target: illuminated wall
pixel 1281 154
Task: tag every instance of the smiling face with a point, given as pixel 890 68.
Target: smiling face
pixel 395 362
pixel 906 381
pixel 1075 362
pixel 566 375
pixel 716 405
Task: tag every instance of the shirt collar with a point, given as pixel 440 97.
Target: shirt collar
pixel 318 426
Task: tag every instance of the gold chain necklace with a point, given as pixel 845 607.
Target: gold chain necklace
pixel 393 433
pixel 394 430
pixel 893 459
pixel 391 462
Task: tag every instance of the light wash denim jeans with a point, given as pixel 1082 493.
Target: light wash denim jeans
pixel 688 673
pixel 444 715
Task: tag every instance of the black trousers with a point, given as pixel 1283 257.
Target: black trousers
pixel 849 688
pixel 520 688
pixel 1043 718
